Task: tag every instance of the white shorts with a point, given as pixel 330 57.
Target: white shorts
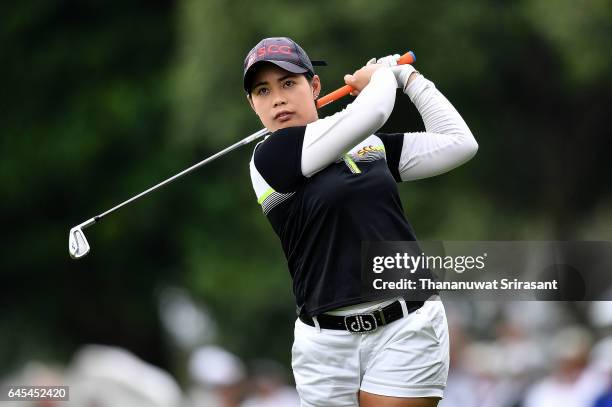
pixel 407 358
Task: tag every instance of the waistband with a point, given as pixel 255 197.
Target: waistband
pixel 364 322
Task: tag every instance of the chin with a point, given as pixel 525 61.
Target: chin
pixel 278 126
pixel 293 122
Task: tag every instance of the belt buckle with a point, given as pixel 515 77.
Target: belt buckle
pixel 360 323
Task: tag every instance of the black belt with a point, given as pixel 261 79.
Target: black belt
pixel 364 322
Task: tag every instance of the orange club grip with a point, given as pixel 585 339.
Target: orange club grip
pixel 407 58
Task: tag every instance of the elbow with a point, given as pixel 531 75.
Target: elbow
pixel 386 111
pixel 472 147
pixel 385 108
pixel 380 114
pixel 373 119
pixel 380 117
pixel 469 147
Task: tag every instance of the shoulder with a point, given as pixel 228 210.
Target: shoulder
pixel 283 141
pixel 277 159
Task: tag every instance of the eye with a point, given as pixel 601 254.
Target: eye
pixel 262 91
pixel 289 83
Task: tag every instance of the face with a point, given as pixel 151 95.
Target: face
pixel 283 99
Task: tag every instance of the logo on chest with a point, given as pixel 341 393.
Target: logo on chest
pixel 369 153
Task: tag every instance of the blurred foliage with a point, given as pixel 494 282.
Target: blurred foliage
pixel 104 99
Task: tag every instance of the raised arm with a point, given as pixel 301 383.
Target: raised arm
pixel 327 139
pixel 447 141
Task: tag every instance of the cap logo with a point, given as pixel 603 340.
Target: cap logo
pixel 274 49
pixel 270 49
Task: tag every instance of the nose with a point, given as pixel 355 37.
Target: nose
pixel 279 99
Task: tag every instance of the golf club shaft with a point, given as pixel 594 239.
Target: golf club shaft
pixel 234 146
pixel 407 58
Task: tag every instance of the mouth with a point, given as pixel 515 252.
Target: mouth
pixel 283 116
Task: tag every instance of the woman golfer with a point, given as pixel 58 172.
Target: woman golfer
pixel 328 184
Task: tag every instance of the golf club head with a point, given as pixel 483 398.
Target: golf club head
pixel 77 243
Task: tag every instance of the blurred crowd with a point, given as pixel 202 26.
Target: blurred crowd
pixel 515 354
pixel 106 376
pixel 528 354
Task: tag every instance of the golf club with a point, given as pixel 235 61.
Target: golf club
pixel 77 242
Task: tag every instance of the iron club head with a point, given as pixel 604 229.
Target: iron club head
pixel 77 243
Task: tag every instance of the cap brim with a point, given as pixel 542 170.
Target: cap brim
pixel 287 66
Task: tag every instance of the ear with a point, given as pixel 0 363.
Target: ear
pixel 316 86
pixel 248 96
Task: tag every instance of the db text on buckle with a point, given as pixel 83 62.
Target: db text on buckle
pixel 360 323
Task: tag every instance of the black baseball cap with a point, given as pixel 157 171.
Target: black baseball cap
pixel 282 52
